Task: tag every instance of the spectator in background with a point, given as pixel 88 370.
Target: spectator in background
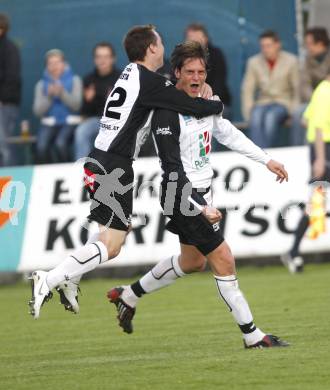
pixel 217 68
pixel 269 90
pixel 317 117
pixel 57 101
pixel 97 86
pixel 315 69
pixel 10 90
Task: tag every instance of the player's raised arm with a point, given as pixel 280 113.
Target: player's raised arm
pixel 227 134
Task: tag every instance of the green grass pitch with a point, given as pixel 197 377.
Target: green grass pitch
pixel 184 337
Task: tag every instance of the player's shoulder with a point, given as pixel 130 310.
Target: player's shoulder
pixel 164 116
pixel 148 76
pixel 165 113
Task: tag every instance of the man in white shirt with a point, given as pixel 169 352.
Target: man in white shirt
pixel 183 144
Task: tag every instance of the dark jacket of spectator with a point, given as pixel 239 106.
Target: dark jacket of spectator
pixel 217 74
pixel 103 85
pixel 10 70
pixel 314 71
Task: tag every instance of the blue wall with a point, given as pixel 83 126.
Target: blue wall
pixel 76 25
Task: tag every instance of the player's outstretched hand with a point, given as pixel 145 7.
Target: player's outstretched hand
pixel 212 214
pixel 279 170
pixel 206 91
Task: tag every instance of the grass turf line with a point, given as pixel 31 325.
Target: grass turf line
pixel 184 337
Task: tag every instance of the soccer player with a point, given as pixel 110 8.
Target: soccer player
pixel 185 160
pixel 108 170
pixel 317 117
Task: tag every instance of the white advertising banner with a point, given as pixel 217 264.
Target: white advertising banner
pixel 259 214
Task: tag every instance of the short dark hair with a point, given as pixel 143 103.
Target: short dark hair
pixel 188 50
pixel 104 44
pixel 4 23
pixel 197 27
pixel 319 34
pixel 270 34
pixel 137 41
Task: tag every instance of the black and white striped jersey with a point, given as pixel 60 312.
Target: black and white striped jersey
pixel 184 145
pixel 137 91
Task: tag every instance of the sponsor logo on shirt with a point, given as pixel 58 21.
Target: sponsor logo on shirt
pixel 204 144
pixel 204 150
pixel 201 162
pixel 109 127
pixel 164 131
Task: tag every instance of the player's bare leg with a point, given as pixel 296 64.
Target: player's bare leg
pixel 67 274
pixel 222 263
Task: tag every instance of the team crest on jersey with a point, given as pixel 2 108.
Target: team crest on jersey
pixel 204 144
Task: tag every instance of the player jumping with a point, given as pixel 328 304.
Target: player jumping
pixel 138 90
pixel 184 153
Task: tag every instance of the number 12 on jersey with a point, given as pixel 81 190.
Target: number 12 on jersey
pixel 117 102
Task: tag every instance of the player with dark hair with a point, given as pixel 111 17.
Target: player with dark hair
pixel 138 90
pixel 183 144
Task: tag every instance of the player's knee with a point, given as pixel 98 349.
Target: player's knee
pixel 113 251
pixel 223 255
pixel 200 265
pixel 113 241
pixel 112 248
pixel 223 250
pixel 190 263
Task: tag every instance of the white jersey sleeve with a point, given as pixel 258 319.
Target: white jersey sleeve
pixel 227 134
pixel 142 135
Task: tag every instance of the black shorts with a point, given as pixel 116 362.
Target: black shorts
pixel 109 181
pixel 326 176
pixel 195 230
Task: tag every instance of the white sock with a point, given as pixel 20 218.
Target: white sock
pixel 229 291
pixel 93 238
pixel 82 260
pixel 162 274
pixel 129 297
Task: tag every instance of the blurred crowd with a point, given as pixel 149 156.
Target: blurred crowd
pixel 275 92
